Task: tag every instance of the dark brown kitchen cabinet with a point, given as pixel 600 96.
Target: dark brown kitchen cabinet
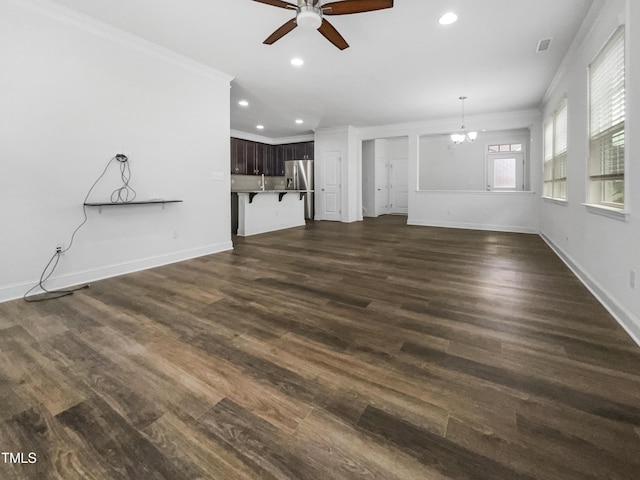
pixel 253 158
pixel 289 152
pixel 299 151
pixel 267 154
pixel 264 159
pixel 309 149
pixel 278 159
pixel 254 162
pixel 238 156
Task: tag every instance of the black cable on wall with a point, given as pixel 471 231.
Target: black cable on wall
pixel 124 194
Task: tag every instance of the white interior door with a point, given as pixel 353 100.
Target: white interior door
pixel 382 186
pixel 505 172
pixel 399 187
pixel 330 190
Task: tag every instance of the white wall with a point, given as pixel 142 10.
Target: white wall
pixel 444 165
pixel 601 250
pixel 497 211
pixel 73 93
pixel 397 148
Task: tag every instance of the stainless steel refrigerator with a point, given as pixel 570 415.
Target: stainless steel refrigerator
pixel 298 175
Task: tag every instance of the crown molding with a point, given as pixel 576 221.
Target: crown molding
pixel 588 24
pixel 75 19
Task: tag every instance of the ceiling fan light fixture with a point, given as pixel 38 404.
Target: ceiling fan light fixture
pixel 310 14
pixel 309 19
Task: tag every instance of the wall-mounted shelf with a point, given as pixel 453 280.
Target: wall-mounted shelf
pixel 99 205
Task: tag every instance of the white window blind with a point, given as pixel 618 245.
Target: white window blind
pixel 606 123
pixel 555 153
pixel 560 152
pixel 548 159
pixel 560 129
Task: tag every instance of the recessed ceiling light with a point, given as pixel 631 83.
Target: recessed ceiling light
pixel 448 18
pixel 260 127
pixel 243 103
pixel 299 121
pixel 297 62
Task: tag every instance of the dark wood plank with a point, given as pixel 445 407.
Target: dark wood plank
pixel 369 350
pixel 119 447
pixel 440 453
pixel 58 453
pixel 595 405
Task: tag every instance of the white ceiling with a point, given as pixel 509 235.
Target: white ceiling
pixel 402 65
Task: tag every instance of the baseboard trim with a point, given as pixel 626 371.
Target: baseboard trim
pixel 473 226
pixel 622 315
pixel 16 291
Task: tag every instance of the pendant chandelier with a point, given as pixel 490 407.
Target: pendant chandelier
pixel 463 135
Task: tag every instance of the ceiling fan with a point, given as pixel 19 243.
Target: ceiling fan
pixel 310 13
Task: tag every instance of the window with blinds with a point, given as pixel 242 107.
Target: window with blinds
pixel 555 154
pixel 606 124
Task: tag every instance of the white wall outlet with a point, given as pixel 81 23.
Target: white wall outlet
pixel 175 233
pixel 60 247
pixel 632 279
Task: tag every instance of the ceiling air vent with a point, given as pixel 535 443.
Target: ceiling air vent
pixel 543 45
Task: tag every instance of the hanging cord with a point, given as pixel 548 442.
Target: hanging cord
pixel 122 194
pixel 125 193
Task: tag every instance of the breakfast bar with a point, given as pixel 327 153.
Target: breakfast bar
pixel 261 211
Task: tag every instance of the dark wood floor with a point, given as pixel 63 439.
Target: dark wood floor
pixel 372 350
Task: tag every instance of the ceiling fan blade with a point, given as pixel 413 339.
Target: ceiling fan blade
pixel 281 32
pixel 355 6
pixel 278 3
pixel 331 34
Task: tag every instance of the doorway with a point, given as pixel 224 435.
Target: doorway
pixel 385 177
